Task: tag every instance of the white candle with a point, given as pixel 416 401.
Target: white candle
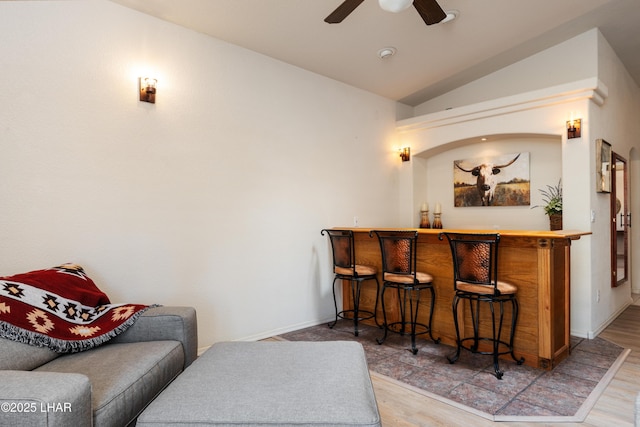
pixel 438 207
pixel 425 207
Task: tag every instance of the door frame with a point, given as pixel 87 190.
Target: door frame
pixel 620 221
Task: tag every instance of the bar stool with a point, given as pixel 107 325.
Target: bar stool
pixel 475 278
pixel 399 255
pixel 345 268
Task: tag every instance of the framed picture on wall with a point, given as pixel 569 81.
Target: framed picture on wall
pixel 496 180
pixel 603 166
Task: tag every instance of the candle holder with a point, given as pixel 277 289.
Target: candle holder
pixel 437 223
pixel 424 219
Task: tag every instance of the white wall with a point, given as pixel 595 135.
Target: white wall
pixel 617 122
pixel 608 102
pixel 213 197
pixel 551 67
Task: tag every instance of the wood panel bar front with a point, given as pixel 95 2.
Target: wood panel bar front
pixel 537 262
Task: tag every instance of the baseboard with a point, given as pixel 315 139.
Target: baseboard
pixel 284 330
pixel 268 334
pixel 592 334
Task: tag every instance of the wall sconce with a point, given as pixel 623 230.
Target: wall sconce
pixel 405 154
pixel 573 128
pixel 148 89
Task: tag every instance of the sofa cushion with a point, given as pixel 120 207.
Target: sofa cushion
pixel 23 357
pixel 124 377
pixel 166 323
pixel 48 399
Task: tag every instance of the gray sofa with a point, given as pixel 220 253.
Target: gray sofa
pixel 108 385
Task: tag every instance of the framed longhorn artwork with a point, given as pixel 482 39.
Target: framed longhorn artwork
pixel 501 180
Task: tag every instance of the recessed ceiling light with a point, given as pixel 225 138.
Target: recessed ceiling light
pixel 451 15
pixel 386 52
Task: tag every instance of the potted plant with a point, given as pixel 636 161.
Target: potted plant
pixel 552 198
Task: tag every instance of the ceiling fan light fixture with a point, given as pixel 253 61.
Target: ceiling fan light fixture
pixel 386 52
pixel 395 6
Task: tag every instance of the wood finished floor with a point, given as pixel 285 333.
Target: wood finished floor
pixel 615 407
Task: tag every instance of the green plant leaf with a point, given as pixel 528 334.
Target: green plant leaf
pixel 552 197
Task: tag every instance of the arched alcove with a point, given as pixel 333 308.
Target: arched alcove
pixel 433 179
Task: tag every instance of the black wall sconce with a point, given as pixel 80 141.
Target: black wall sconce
pixel 148 89
pixel 405 154
pixel 573 128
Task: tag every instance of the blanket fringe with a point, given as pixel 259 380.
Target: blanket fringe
pixel 15 333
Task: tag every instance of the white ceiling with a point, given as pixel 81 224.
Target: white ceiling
pixel 430 60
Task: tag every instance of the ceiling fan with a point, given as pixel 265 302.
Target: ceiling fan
pixel 429 10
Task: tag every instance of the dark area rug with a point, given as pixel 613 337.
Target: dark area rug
pixel 565 394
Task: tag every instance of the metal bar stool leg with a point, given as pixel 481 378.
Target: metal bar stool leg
pixel 403 309
pixel 456 356
pixel 475 319
pixel 433 302
pixel 496 338
pixel 514 319
pixel 384 317
pixel 375 307
pixel 335 304
pixel 355 294
pixel 414 302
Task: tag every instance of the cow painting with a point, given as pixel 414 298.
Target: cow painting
pixel 486 176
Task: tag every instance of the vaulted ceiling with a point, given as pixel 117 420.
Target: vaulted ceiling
pixel 430 60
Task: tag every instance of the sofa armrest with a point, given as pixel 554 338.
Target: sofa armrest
pixel 166 323
pixel 51 399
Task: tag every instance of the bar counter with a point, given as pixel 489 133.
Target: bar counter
pixel 537 262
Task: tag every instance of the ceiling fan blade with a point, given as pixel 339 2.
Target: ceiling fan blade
pixel 342 11
pixel 430 11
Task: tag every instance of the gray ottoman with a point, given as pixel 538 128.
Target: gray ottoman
pixel 270 383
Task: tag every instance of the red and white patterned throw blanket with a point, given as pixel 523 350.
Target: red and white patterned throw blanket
pixel 61 308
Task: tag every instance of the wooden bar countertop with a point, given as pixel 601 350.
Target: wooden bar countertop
pixel 537 262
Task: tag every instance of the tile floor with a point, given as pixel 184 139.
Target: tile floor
pixel 523 391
